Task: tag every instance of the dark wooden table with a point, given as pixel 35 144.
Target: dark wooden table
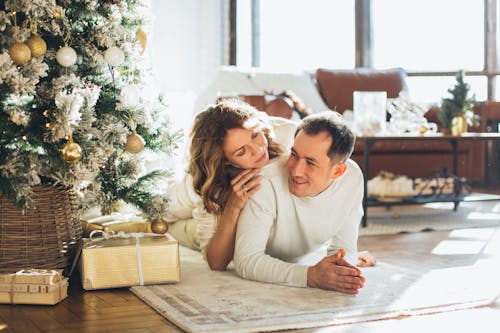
pixel 369 141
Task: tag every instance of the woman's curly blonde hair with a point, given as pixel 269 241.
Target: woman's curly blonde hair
pixel 207 163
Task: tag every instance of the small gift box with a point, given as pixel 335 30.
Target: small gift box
pixel 33 286
pixel 124 260
pixel 116 222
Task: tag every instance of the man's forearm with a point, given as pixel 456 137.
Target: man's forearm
pixel 265 268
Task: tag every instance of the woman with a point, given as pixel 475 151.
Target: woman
pixel 230 142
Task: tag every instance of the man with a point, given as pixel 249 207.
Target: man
pixel 313 204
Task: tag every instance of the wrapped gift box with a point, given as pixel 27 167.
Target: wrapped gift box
pixel 23 293
pixel 123 260
pixel 116 222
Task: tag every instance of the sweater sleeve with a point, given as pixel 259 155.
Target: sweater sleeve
pixel 186 203
pixel 250 258
pixel 183 198
pixel 347 235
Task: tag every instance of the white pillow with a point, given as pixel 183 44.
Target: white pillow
pixel 232 81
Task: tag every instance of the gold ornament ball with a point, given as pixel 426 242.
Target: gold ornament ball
pixel 37 46
pixel 458 125
pixel 20 53
pixel 159 226
pixel 71 152
pixel 135 143
pixel 142 38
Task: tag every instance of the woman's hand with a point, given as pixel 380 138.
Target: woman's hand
pixel 243 186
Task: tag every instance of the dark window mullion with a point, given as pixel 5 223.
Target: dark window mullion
pixel 364 36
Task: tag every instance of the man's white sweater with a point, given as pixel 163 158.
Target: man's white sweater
pixel 280 235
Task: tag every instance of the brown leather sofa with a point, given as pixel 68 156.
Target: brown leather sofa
pixel 414 159
pixel 419 159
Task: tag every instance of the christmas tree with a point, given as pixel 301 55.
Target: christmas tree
pixel 78 103
pixel 459 104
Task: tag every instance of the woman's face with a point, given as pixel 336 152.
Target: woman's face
pixel 246 148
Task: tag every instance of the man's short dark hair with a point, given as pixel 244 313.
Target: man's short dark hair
pixel 332 123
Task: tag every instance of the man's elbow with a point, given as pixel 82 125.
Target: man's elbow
pixel 239 267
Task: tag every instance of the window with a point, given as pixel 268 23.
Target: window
pixel 428 35
pixel 298 34
pixel 430 39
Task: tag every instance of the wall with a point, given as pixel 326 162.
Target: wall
pixel 187 43
pixel 186 46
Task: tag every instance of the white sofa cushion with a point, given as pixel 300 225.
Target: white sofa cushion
pixel 232 81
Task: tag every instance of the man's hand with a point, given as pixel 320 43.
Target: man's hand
pixel 335 273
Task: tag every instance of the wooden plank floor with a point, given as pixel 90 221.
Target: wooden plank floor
pixel 118 310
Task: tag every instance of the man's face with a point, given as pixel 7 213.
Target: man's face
pixel 310 169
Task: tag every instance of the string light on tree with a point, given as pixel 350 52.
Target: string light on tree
pixel 114 56
pixel 66 56
pixel 71 152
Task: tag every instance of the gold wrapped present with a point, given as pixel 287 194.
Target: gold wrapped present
pixel 124 260
pixel 47 294
pixel 116 222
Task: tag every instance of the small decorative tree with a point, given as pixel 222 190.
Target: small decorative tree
pixel 459 104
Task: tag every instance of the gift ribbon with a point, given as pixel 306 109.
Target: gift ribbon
pixel 137 235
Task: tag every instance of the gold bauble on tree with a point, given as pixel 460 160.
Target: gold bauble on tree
pixel 20 53
pixel 135 143
pixel 159 226
pixel 37 46
pixel 458 125
pixel 142 38
pixel 71 152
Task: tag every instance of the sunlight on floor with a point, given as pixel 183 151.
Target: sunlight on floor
pixel 478 233
pixel 483 216
pixel 448 247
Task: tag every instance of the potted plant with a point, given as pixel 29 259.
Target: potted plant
pixel 456 112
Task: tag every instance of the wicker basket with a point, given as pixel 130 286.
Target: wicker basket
pixel 44 237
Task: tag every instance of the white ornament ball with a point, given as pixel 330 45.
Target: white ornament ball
pixel 114 56
pixel 66 56
pixel 130 94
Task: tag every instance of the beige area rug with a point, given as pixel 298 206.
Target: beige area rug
pixel 404 283
pixel 433 216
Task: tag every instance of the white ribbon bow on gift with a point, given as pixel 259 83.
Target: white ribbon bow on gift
pixel 137 235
